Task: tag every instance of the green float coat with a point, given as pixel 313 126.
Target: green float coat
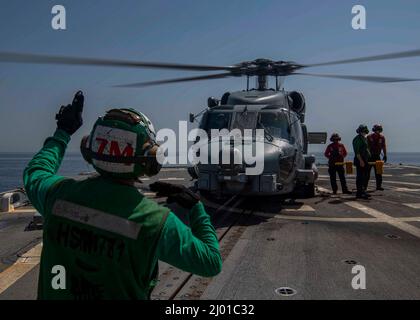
pixel 360 146
pixel 108 236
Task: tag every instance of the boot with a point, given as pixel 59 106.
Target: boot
pixel 362 196
pixel 346 191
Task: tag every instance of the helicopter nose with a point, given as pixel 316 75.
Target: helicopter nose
pixel 230 156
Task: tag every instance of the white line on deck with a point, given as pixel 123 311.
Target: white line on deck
pixel 403 219
pixel 406 190
pixel 23 265
pixel 412 205
pixel 386 181
pixel 351 176
pixel 385 218
pixel 402 182
pixel 310 218
pixel 323 176
pixel 410 219
pixel 333 219
pixel 171 179
pixel 410 167
pixel 304 207
pixel 397 189
pixel 150 194
pixel 322 189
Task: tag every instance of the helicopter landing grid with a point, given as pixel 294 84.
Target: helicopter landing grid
pixel 303 249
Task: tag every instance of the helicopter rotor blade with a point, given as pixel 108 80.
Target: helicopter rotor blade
pixel 358 78
pixel 158 82
pixel 388 56
pixel 48 59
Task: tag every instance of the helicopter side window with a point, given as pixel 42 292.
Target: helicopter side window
pixel 275 123
pixel 297 130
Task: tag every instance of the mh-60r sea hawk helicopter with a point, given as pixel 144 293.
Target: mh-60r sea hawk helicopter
pixel 287 167
pixel 281 114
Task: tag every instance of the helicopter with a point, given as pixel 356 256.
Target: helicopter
pixel 288 168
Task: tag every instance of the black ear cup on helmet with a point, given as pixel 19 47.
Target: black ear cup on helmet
pixel 362 129
pixel 377 127
pixel 84 149
pixel 335 136
pixel 334 139
pixel 151 165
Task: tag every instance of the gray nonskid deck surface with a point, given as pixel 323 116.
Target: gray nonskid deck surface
pixel 303 246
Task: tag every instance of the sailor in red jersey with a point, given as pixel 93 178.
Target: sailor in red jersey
pixel 377 146
pixel 336 152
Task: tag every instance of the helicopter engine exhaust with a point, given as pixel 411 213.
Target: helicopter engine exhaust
pixel 297 103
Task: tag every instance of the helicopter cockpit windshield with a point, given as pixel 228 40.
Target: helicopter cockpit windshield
pixel 218 120
pixel 245 120
pixel 275 123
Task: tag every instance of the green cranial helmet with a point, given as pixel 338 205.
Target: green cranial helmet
pixel 122 145
pixel 362 129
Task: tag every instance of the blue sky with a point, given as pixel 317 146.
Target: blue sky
pixel 207 32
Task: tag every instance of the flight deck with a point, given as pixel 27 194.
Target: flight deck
pixel 272 248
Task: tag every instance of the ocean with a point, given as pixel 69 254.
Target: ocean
pixel 13 164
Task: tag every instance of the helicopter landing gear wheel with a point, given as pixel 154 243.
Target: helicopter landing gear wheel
pixel 309 190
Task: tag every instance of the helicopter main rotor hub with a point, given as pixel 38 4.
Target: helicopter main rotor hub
pixel 265 67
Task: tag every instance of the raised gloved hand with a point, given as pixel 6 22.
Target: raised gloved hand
pixel 385 158
pixel 175 193
pixel 69 118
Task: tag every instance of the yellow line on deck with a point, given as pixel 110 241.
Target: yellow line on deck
pixel 23 265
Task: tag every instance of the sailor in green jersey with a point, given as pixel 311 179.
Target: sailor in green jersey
pixel 361 158
pixel 105 234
